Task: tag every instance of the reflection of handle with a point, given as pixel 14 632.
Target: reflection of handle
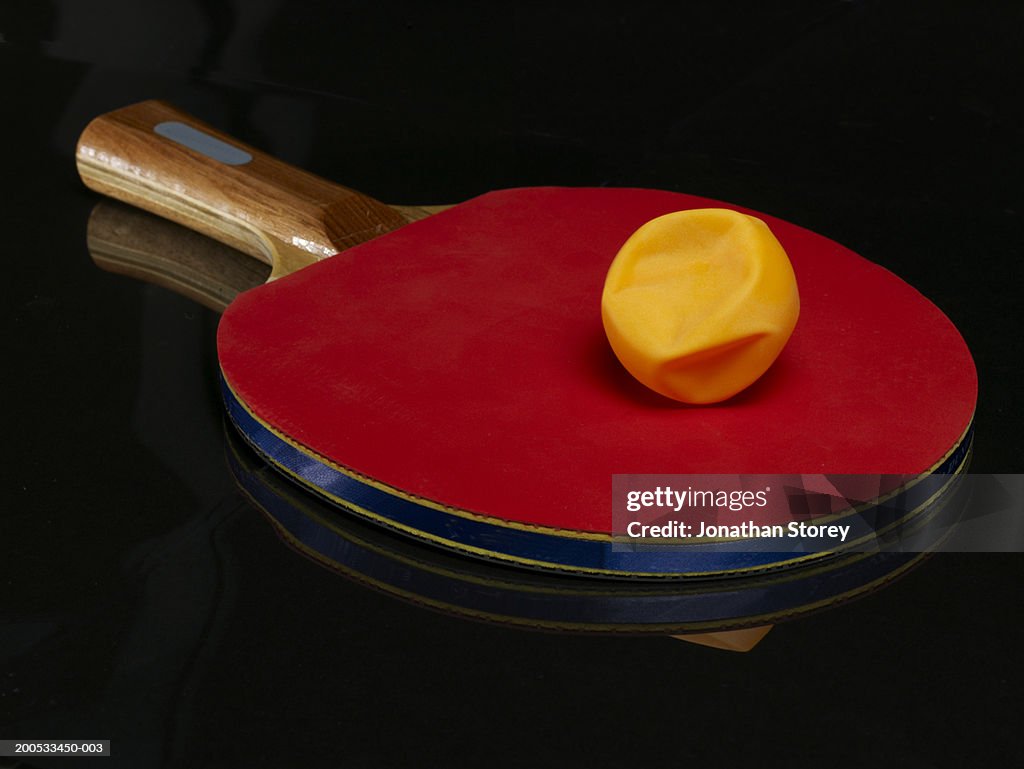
pixel 131 242
pixel 165 161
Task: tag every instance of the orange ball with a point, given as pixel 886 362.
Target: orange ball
pixel 698 304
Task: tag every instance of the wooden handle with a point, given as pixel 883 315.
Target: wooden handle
pixel 165 161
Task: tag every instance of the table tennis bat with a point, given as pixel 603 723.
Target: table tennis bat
pixel 728 613
pixel 448 376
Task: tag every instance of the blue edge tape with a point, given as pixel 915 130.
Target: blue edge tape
pixel 550 549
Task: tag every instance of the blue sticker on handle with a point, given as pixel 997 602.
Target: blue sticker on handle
pixel 201 142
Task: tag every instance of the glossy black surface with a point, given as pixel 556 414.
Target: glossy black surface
pixel 144 600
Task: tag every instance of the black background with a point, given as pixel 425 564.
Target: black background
pixel 145 602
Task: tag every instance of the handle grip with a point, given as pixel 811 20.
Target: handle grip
pixel 165 161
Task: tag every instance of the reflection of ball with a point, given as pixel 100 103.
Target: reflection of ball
pixel 698 304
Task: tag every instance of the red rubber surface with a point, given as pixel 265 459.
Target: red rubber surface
pixel 462 359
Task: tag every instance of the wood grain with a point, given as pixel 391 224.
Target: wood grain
pixel 280 214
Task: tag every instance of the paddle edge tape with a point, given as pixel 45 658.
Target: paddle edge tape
pixel 520 544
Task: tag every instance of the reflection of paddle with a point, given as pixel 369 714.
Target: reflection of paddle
pixel 451 379
pixel 131 242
